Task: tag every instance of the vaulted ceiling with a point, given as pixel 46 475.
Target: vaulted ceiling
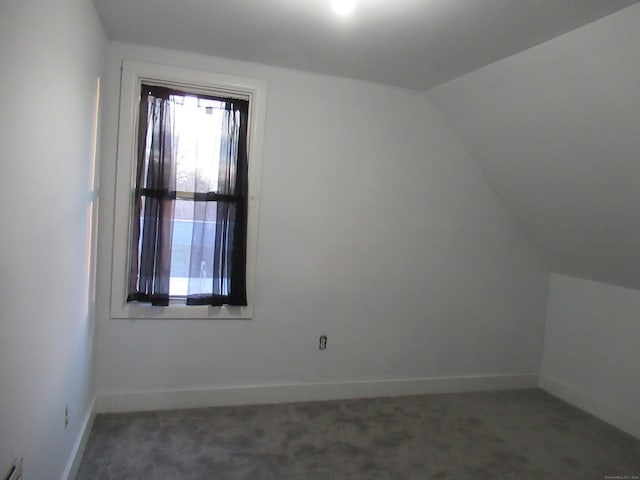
pixel 555 128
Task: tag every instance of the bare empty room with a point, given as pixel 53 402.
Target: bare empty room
pixel 320 239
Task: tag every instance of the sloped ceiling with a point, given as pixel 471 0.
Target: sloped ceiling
pixel 415 44
pixel 556 130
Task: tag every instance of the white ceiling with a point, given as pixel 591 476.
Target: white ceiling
pixel 415 44
pixel 556 130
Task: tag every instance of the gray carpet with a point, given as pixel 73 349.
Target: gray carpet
pixel 519 435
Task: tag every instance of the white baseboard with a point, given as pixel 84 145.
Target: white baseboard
pixel 586 401
pixel 73 464
pixel 264 394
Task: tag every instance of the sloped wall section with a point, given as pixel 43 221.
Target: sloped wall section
pixel 555 130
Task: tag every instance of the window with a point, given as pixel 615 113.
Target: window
pixel 188 167
pixel 189 217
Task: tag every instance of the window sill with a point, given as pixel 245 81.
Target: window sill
pixel 180 311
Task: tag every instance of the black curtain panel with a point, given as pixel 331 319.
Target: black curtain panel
pixel 153 210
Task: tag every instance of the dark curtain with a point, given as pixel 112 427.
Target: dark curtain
pixel 226 208
pixel 150 258
pixel 217 257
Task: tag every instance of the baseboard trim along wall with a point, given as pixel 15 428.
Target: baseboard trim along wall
pixel 264 394
pixel 79 446
pixel 586 401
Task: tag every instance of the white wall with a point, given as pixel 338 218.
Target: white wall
pixel 555 129
pixel 376 229
pixel 591 349
pixel 51 52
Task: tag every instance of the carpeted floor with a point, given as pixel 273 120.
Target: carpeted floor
pixel 521 435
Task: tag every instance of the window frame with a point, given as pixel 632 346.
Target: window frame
pixel 134 73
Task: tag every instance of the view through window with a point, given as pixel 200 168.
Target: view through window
pixel 197 135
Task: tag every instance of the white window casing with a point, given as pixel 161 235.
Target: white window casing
pixel 134 73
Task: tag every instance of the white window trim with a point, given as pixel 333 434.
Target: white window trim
pixel 133 74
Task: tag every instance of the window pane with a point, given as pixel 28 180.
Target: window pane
pixel 193 247
pixel 197 137
pixel 180 253
pixel 197 132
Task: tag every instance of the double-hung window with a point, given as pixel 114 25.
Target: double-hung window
pixel 187 146
pixel 190 208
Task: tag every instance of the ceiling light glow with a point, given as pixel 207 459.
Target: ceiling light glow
pixel 343 7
